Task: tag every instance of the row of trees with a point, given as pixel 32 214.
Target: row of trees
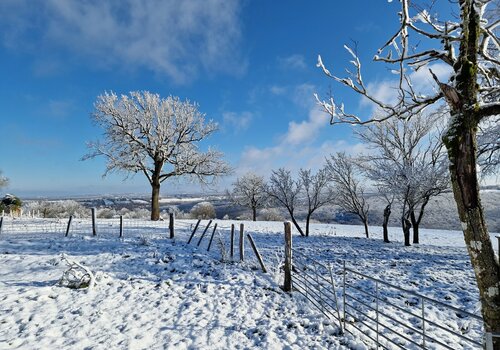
pixel 406 163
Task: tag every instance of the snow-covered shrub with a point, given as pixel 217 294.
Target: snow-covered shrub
pixel 76 276
pixel 58 209
pixel 106 213
pixel 203 210
pixel 270 214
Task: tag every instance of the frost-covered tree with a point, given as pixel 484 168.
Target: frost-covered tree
pixel 158 137
pixel 249 191
pixel 469 45
pixel 285 191
pixel 350 193
pixel 316 192
pixel 406 161
pixel 310 191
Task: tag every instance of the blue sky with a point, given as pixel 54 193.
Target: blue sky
pixel 251 66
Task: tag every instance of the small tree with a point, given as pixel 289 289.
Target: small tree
pixel 285 191
pixel 155 136
pixel 11 204
pixel 317 193
pixel 342 170
pixel 249 191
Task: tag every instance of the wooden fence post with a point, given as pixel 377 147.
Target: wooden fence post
pixel 204 231
pixel 121 226
pixel 288 257
pixel 211 238
pixel 94 224
pixel 257 254
pixel 242 243
pixel 69 226
pixel 171 224
pixel 1 224
pixel 194 231
pixel 232 241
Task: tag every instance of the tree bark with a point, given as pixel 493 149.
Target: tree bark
pixel 155 201
pixel 365 223
pixel 466 192
pixel 406 224
pixel 415 225
pixel 296 224
pixel 387 214
pixel 254 213
pixel 308 219
pixel 461 144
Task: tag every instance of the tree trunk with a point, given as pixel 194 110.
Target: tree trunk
pixel 387 214
pixel 460 141
pixel 415 224
pixel 406 224
pixel 254 213
pixel 155 200
pixel 365 223
pixel 295 223
pixel 308 219
pixel 462 150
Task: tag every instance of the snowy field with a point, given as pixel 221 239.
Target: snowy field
pixel 155 293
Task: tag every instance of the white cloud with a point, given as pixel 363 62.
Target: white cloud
pixel 237 121
pixel 293 62
pixel 306 131
pixel 422 81
pixel 278 90
pixel 173 38
pixel 299 147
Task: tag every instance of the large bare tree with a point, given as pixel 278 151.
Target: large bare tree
pixel 350 192
pixel 159 137
pixel 249 191
pixel 470 47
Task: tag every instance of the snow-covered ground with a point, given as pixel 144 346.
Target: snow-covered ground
pixel 155 293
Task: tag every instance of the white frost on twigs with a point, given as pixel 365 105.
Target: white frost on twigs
pixel 322 66
pixel 77 276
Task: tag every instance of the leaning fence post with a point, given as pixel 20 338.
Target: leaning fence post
pixel 211 238
pixel 288 257
pixel 498 239
pixel 204 232
pixel 94 228
pixel 257 254
pixel 232 241
pixel 194 231
pixel 171 223
pixel 1 224
pixel 69 226
pixel 121 226
pixel 242 243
